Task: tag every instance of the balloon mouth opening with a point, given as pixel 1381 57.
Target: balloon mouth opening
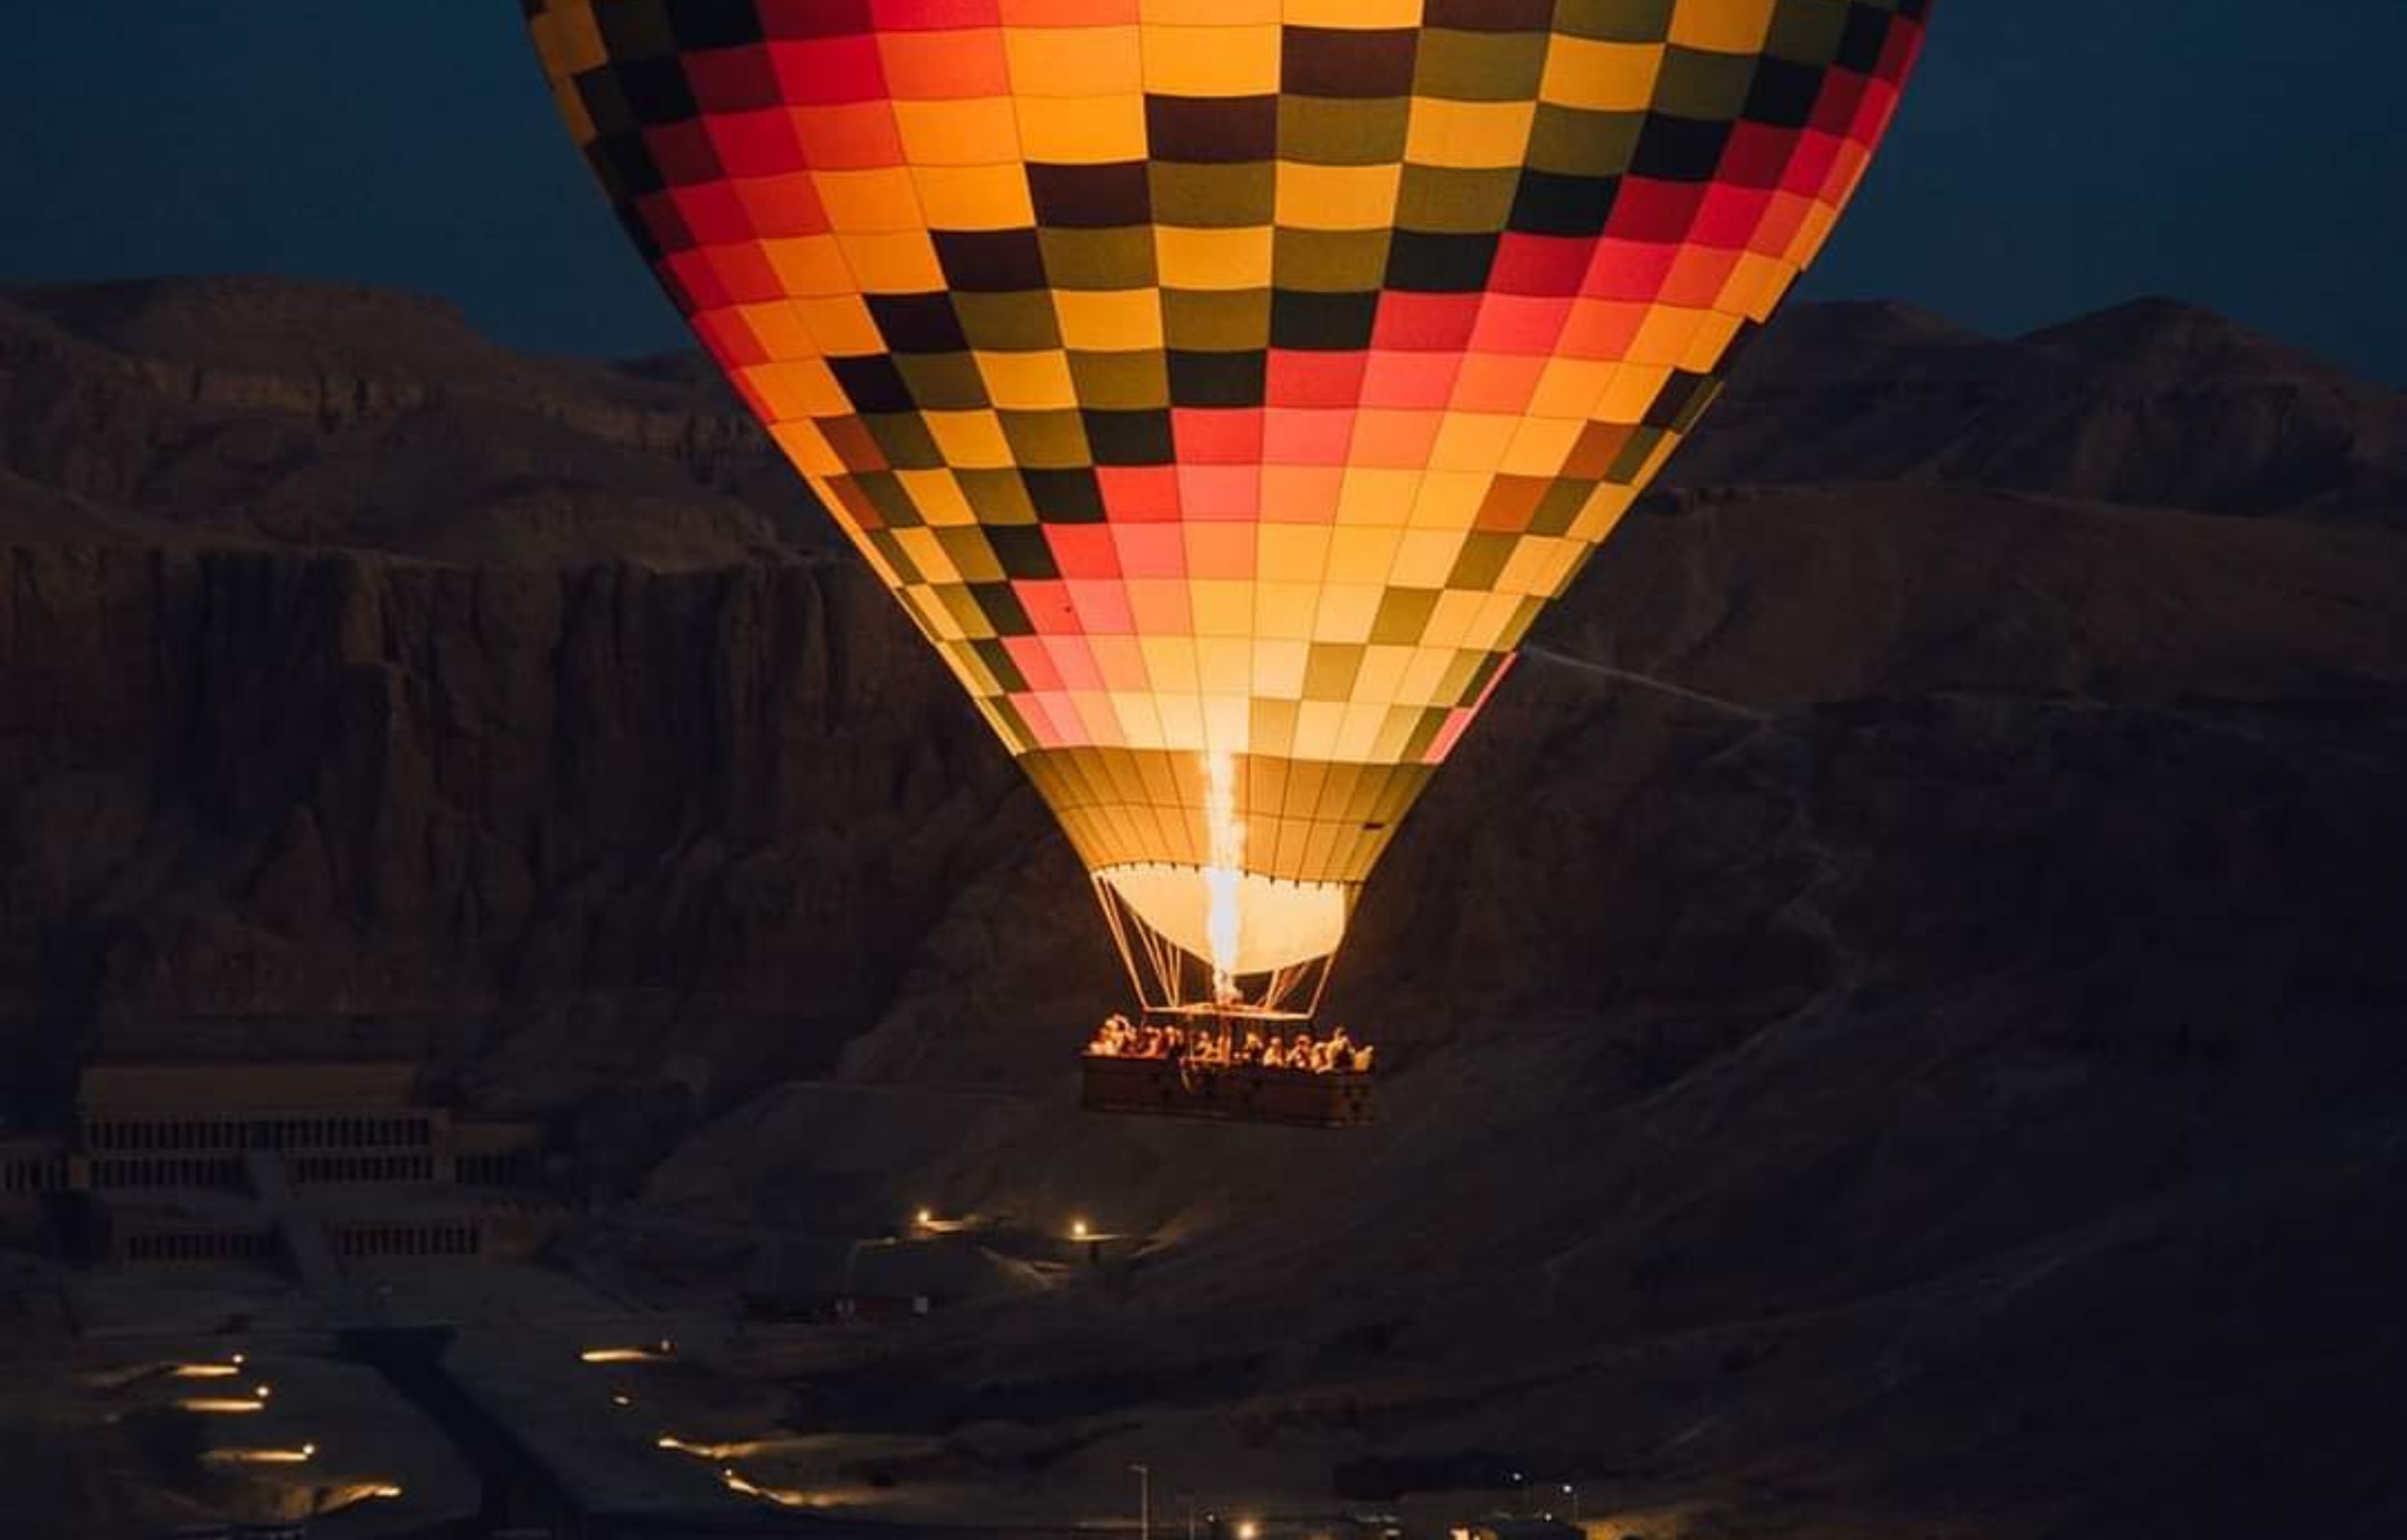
pixel 1230 927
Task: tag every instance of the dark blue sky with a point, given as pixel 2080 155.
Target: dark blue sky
pixel 2055 156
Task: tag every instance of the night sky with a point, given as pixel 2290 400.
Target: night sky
pixel 2055 156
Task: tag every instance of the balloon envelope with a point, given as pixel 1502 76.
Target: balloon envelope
pixel 1224 386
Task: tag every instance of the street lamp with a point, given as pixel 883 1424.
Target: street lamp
pixel 1573 1493
pixel 1145 1497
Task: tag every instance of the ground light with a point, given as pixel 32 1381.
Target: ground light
pixel 710 1452
pixel 626 1356
pixel 298 1457
pixel 783 1497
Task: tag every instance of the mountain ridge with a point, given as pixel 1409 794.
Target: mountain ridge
pixel 337 415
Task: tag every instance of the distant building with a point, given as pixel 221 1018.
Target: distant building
pixel 32 1167
pixel 308 1164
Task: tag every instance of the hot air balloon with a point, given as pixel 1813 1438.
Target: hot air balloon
pixel 1224 386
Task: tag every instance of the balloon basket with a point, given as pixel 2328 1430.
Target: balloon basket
pixel 1229 1093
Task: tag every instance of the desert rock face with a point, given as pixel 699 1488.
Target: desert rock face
pixel 1896 1003
pixel 348 794
pixel 2153 404
pixel 237 410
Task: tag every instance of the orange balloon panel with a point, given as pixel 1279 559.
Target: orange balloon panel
pixel 1224 386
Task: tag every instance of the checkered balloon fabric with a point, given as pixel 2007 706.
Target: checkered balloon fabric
pixel 1228 380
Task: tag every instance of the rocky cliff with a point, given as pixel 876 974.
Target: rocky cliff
pixel 2154 403
pixel 251 791
pixel 304 415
